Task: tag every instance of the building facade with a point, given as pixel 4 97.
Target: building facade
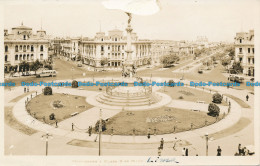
pixel 245 51
pixel 22 45
pixel 112 47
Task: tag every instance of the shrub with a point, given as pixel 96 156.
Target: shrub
pixel 57 104
pixel 52 116
pixel 103 126
pixel 47 91
pixel 75 84
pixel 217 98
pixel 213 110
pixel 171 83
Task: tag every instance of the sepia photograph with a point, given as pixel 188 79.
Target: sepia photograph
pixel 129 82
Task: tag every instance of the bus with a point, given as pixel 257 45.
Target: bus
pixel 47 73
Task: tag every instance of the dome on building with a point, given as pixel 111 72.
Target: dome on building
pixel 22 27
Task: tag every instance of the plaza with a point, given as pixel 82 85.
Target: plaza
pixel 123 94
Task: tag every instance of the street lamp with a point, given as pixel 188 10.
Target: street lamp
pixel 46 136
pixel 100 130
pixel 207 141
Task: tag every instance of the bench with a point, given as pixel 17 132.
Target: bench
pixel 75 113
pixel 195 110
pixel 203 102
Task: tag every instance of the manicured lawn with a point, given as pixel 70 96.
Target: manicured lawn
pixel 15 124
pixel 239 101
pixel 43 106
pixel 124 122
pixel 189 94
pixel 241 124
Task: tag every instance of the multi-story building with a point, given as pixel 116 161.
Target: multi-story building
pixel 160 48
pixel 113 48
pixel 22 45
pixel 244 51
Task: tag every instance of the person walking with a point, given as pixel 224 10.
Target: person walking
pixel 187 152
pixel 149 133
pixel 247 97
pixel 239 150
pixel 183 152
pixel 219 151
pixel 161 143
pixel 159 151
pixel 89 130
pixel 174 144
pixel 24 89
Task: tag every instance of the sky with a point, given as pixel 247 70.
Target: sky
pixel 218 20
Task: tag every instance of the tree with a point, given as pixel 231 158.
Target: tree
pixel 217 98
pixel 35 65
pixel 197 52
pixel 226 61
pixel 24 65
pixel 171 83
pixel 74 84
pixel 103 62
pixel 237 68
pixel 168 60
pixel 213 110
pixel 47 91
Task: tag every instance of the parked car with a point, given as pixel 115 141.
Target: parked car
pixel 16 74
pixel 79 65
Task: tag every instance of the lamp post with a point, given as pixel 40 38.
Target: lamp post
pixel 46 136
pixel 72 69
pixel 207 141
pixel 100 130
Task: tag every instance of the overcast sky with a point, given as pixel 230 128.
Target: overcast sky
pixel 219 20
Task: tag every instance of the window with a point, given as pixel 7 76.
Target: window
pixel 240 50
pixel 24 56
pixel 32 57
pixel 16 48
pixel 118 48
pixel 102 39
pixel 24 48
pixel 41 57
pixel 108 55
pixel 6 58
pixel 253 60
pixel 28 47
pixel 28 57
pixel 21 57
pixel 21 47
pixel 253 50
pixel 24 37
pixel 6 48
pixel 240 40
pixel 16 57
pixel 248 50
pixel 248 60
pixel 32 48
pixel 108 47
pixel 102 48
pixel 115 39
pixel 122 47
pixel 240 59
pixel 41 48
